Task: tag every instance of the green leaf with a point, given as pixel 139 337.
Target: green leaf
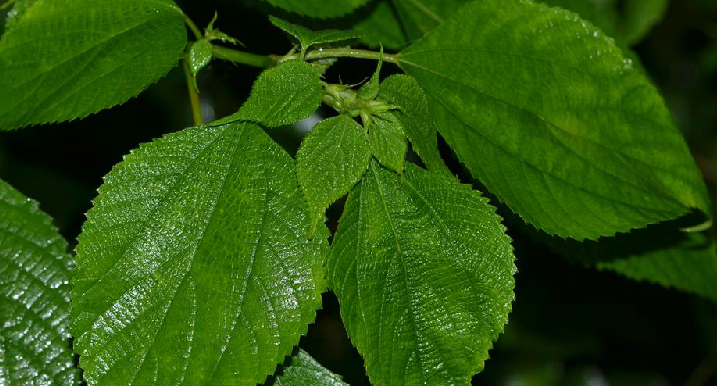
pixel 331 159
pixel 545 110
pixel 193 265
pixel 381 27
pixel 600 13
pixel 689 265
pixel 369 91
pixel 19 7
pixel 66 59
pixel 418 17
pixel 423 272
pixel 282 95
pixel 303 370
pixel 413 113
pixel 34 282
pixel 200 55
pixel 388 141
pixel 308 38
pixel 318 8
pixel 641 16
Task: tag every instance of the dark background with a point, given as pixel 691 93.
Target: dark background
pixel 569 326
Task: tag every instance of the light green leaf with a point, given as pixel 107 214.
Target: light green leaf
pixel 200 55
pixel 641 16
pixel 388 141
pixel 382 27
pixel 303 370
pixel 690 265
pixel 308 38
pixel 423 271
pixel 403 91
pixel 193 266
pixel 331 159
pixel 66 59
pixel 34 284
pixel 319 8
pixel 545 110
pixel 282 95
pixel 369 90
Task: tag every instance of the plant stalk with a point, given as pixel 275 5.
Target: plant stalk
pixel 241 57
pixel 263 61
pixel 193 27
pixel 193 96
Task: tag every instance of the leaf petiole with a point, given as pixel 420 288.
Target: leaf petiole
pixel 193 27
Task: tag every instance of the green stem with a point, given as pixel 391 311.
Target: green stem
pixel 193 97
pixel 193 27
pixel 242 57
pixel 9 3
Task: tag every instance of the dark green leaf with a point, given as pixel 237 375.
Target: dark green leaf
pixel 302 370
pixel 282 95
pixel 66 59
pixel 403 91
pixel 641 16
pixel 545 110
pixel 319 8
pixel 193 265
pixel 421 16
pixel 599 13
pixel 382 27
pixel 34 282
pixel 308 38
pixel 331 159
pixel 423 271
pixel 388 141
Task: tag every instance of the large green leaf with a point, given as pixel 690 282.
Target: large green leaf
pixel 331 159
pixel 193 265
pixel 302 370
pixel 66 59
pixel 381 25
pixel 413 113
pixel 319 8
pixel 600 13
pixel 545 110
pixel 282 95
pixel 423 271
pixel 34 296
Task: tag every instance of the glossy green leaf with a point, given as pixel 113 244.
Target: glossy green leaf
pixel 545 110
pixel 34 306
pixel 689 265
pixel 282 95
pixel 413 113
pixel 193 266
pixel 66 59
pixel 200 55
pixel 641 16
pixel 302 370
pixel 382 27
pixel 388 141
pixel 308 38
pixel 423 272
pixel 319 8
pixel 331 159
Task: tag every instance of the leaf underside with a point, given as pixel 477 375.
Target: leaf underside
pixel 549 115
pixel 34 301
pixel 318 8
pixel 423 271
pixel 193 266
pixel 66 59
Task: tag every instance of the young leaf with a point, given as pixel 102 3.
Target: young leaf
pixel 193 266
pixel 388 141
pixel 690 265
pixel 282 95
pixel 370 89
pixel 331 159
pixel 320 9
pixel 66 59
pixel 413 114
pixel 308 38
pixel 302 370
pixel 423 271
pixel 200 55
pixel 641 16
pixel 34 283
pixel 549 115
